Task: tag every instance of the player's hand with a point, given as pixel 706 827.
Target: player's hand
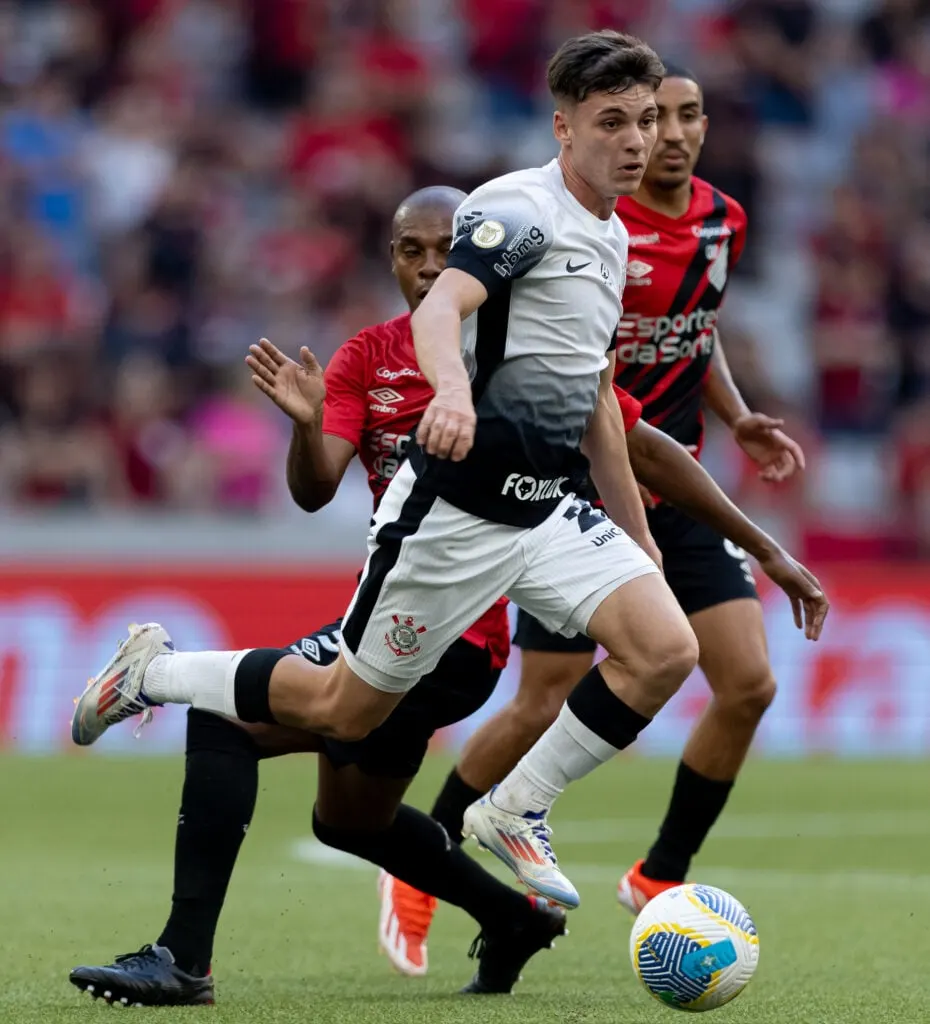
pixel 761 438
pixel 296 388
pixel 808 601
pixel 447 429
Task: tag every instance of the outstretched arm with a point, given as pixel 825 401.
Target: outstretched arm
pixel 668 469
pixel 316 462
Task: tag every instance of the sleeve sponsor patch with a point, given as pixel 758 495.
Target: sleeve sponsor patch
pixel 499 239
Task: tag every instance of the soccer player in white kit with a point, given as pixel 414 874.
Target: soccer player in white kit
pixel 516 339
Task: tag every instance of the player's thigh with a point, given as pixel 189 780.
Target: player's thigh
pixel 550 665
pixel 278 740
pixel 645 632
pixel 432 571
pixel 459 686
pixel 318 647
pixel 734 652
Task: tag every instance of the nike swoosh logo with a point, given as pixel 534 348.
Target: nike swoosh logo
pixel 580 266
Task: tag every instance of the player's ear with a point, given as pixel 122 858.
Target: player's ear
pixel 561 128
pixel 704 123
pixel 393 264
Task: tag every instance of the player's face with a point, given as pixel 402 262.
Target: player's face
pixel 419 250
pixel 609 137
pixel 682 125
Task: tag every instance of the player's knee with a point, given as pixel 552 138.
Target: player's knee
pixel 663 660
pixel 675 659
pixel 749 698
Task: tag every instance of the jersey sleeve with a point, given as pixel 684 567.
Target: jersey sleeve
pixel 345 407
pixel 630 407
pixel 499 235
pixel 740 222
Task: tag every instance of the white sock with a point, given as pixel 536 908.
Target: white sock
pixel 568 750
pixel 204 679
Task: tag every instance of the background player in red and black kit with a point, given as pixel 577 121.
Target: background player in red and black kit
pixel 374 396
pixel 685 238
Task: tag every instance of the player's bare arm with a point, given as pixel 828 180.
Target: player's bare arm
pixel 605 447
pixel 760 436
pixel 448 425
pixel 667 468
pixel 316 462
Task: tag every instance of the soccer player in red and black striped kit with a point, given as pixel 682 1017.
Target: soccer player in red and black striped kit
pixel 685 239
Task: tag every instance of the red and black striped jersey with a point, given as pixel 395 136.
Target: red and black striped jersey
pixel 676 278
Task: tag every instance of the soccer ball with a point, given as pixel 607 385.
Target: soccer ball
pixel 694 947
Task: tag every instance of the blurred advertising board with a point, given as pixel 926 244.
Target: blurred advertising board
pixel 863 690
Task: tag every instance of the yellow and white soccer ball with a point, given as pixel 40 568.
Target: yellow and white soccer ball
pixel 694 947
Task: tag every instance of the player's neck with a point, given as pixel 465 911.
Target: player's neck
pixel 592 201
pixel 672 203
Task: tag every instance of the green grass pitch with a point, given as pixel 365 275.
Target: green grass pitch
pixel 831 858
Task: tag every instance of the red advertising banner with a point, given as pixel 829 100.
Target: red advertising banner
pixel 864 689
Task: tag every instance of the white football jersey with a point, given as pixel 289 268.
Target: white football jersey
pixel 535 348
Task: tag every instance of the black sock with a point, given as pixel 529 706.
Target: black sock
pixel 449 810
pixel 694 808
pixel 595 705
pixel 253 678
pixel 217 803
pixel 417 850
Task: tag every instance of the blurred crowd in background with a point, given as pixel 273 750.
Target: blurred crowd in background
pixel 181 177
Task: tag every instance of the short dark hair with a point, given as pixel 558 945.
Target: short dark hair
pixel 605 61
pixel 673 70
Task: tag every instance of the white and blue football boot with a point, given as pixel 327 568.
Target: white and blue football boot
pixel 115 692
pixel 521 841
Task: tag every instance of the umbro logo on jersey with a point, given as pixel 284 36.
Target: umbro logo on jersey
pixel 386 395
pixel 383 397
pixel 638 272
pixel 573 268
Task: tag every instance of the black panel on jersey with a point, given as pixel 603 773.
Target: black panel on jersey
pixel 493 319
pixel 412 513
pixel 697 268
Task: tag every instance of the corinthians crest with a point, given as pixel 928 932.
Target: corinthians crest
pixel 404 636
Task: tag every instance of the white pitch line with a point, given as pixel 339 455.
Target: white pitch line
pixel 309 851
pixel 808 825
